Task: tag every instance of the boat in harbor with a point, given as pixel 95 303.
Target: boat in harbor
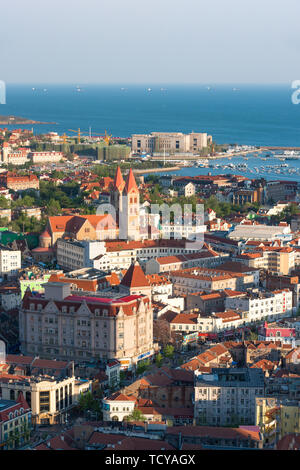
pixel 291 155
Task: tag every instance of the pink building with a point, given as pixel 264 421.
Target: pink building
pixel 275 332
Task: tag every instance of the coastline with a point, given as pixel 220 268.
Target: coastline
pixel 12 120
pixel 156 170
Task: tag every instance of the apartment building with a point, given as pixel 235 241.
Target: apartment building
pixel 20 183
pixel 204 258
pixel 45 157
pixel 170 142
pixel 223 244
pixel 263 305
pixel 289 417
pixel 77 254
pixel 281 190
pixel 227 396
pixel 111 325
pixel 191 280
pixel 266 417
pixel 10 297
pixel 117 254
pixel 28 211
pixel 10 262
pixel 15 422
pixel 189 230
pixel 194 322
pixel 276 332
pixel 276 260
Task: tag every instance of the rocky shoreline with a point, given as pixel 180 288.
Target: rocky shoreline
pixel 9 120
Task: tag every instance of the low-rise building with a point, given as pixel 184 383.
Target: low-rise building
pixel 259 232
pixel 263 305
pixel 204 258
pixel 277 332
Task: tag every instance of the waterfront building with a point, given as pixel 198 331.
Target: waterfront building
pixel 170 142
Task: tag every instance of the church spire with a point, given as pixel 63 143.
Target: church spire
pixel 118 181
pixel 130 182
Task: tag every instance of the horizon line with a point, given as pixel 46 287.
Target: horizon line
pixel 148 84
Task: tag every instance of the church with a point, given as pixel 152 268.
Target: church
pixel 121 222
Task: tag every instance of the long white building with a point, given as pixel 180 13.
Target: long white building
pixel 263 305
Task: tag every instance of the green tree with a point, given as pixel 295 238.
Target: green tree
pixel 253 336
pixel 53 207
pixel 4 203
pixel 159 359
pixel 136 415
pixel 142 366
pixel 28 201
pixel 87 402
pixel 168 351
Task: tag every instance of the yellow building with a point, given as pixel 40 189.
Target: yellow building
pixel 289 417
pixel 266 417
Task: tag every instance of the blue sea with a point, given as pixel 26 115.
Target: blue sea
pixel 243 114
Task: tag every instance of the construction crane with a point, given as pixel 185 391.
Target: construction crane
pixel 78 134
pixel 64 137
pixel 107 138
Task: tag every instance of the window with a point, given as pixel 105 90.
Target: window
pixel 44 401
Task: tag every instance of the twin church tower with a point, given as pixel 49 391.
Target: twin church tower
pixel 125 198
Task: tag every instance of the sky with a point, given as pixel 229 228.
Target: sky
pixel 150 41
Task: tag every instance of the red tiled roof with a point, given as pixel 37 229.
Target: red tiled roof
pixel 130 183
pixel 118 181
pixel 121 397
pixel 135 277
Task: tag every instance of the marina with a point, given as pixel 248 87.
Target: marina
pixel 267 165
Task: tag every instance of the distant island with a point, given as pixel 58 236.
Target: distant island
pixel 7 120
